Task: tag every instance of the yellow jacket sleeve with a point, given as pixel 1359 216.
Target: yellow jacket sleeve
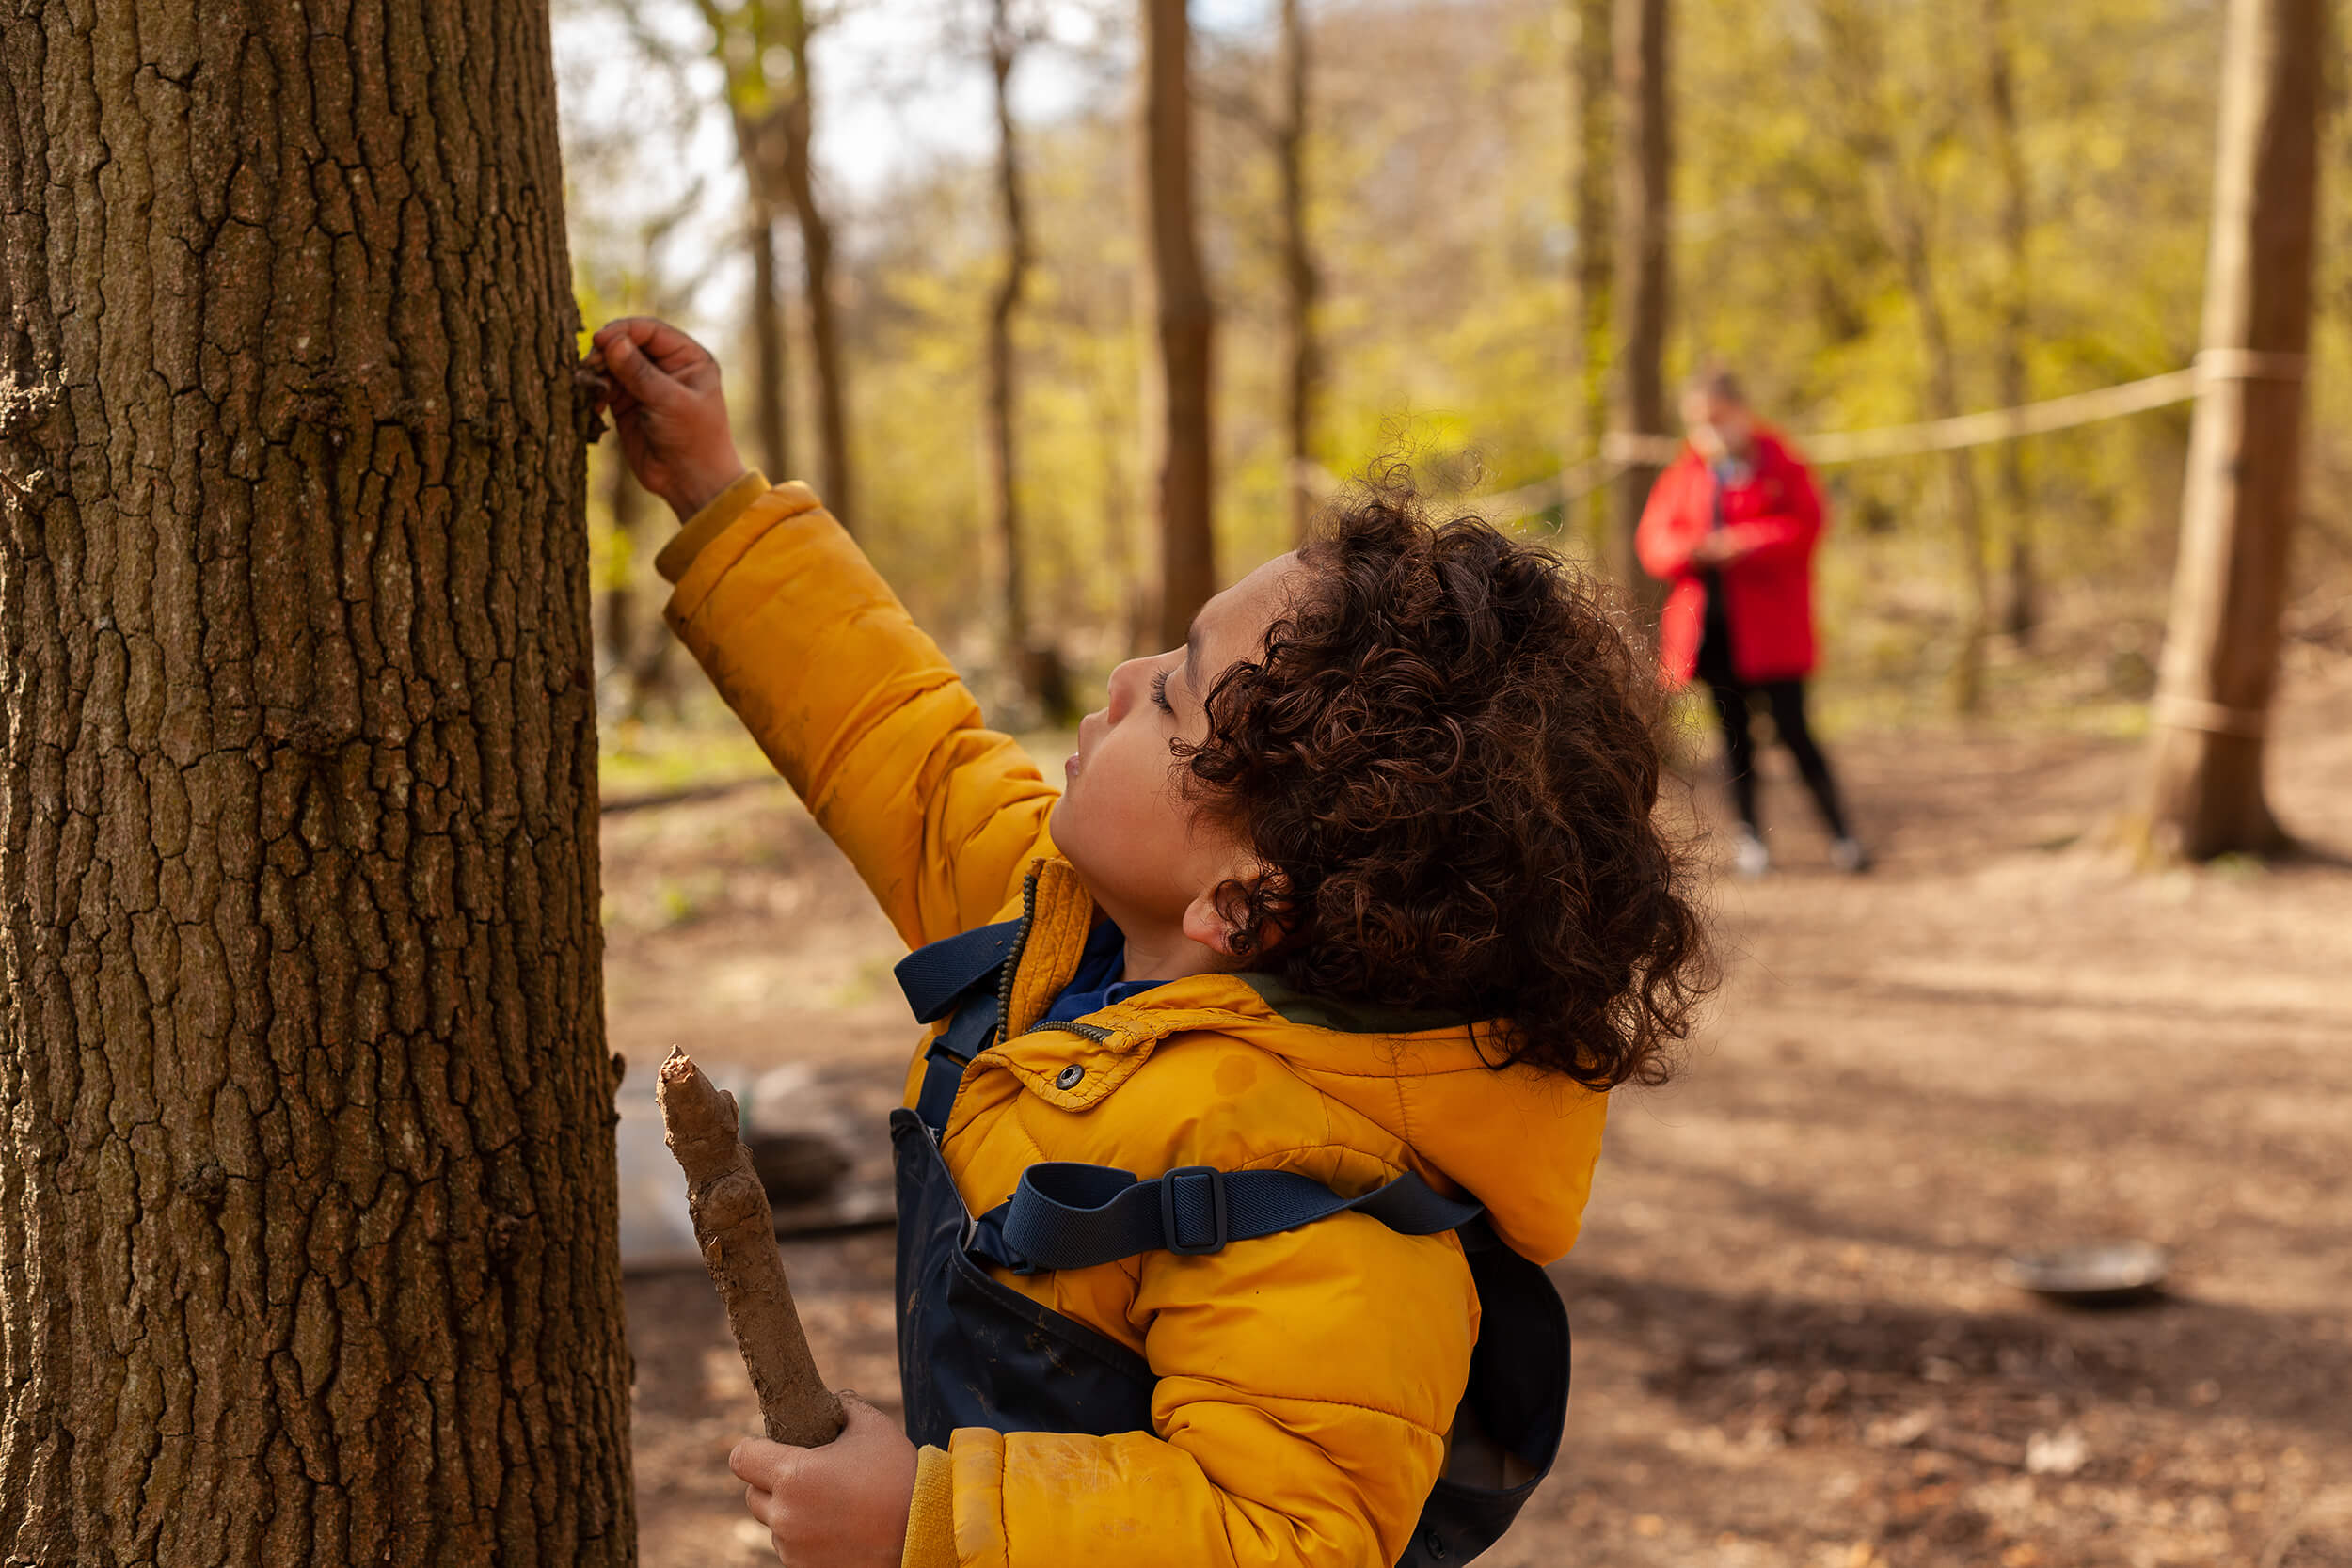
pixel 857 708
pixel 1300 1418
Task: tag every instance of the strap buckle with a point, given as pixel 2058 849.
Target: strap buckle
pixel 1219 1220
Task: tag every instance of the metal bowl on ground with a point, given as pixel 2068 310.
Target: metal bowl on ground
pixel 2099 1273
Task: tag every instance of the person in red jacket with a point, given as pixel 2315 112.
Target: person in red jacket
pixel 1730 526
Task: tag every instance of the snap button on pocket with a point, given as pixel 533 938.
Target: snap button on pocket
pixel 1068 1077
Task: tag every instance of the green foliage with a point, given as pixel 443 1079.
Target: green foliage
pixel 1438 172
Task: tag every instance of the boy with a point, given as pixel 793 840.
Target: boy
pixel 1351 913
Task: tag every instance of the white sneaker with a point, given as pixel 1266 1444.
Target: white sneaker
pixel 1748 855
pixel 1849 855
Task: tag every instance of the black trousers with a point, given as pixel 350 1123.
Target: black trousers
pixel 1787 699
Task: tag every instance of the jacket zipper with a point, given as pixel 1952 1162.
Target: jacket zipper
pixel 1012 959
pixel 1094 1032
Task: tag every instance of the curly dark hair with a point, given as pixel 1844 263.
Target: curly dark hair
pixel 1446 764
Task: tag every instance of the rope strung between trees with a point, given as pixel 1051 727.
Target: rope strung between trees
pixel 1621 449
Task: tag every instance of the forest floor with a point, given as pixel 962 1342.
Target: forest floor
pixel 1792 1349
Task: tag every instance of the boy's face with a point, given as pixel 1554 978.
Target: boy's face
pixel 1148 854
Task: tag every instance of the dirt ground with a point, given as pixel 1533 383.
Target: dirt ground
pixel 1792 1346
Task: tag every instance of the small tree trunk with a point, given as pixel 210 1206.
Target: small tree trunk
pixel 770 397
pixel 1300 281
pixel 1002 425
pixel 1181 369
pixel 1644 275
pixel 617 623
pixel 1908 230
pixel 824 320
pixel 308 1201
pixel 2202 792
pixel 2001 100
pixel 1589 66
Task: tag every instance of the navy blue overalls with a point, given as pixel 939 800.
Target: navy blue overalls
pixel 973 1352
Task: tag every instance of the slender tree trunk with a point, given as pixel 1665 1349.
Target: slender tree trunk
pixel 1908 229
pixel 639 651
pixel 2016 280
pixel 617 622
pixel 1122 553
pixel 1589 67
pixel 2202 792
pixel 307 1187
pixel 771 372
pixel 824 323
pixel 1644 265
pixel 1003 428
pixel 1181 369
pixel 1301 283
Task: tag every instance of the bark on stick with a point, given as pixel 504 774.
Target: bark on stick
pixel 738 1234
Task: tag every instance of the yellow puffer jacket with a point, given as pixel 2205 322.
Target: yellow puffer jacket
pixel 1307 1380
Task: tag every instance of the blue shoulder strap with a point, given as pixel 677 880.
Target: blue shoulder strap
pixel 936 976
pixel 1066 1215
pixel 955 975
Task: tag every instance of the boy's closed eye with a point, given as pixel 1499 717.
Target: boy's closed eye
pixel 1159 693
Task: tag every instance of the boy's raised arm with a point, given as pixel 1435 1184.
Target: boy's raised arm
pixel 857 708
pixel 860 712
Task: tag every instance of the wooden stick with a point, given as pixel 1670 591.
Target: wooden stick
pixel 738 1234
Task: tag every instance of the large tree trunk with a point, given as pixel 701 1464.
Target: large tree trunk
pixel 1588 66
pixel 2203 790
pixel 307 1186
pixel 771 422
pixel 1644 268
pixel 824 319
pixel 2016 278
pixel 1179 377
pixel 1300 282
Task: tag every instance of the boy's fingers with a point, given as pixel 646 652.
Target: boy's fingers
pixel 635 372
pixel 764 1465
pixel 760 1503
pixel 661 342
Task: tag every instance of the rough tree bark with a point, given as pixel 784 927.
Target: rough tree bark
pixel 1588 67
pixel 1178 382
pixel 1301 282
pixel 307 1186
pixel 1643 266
pixel 2202 792
pixel 2000 93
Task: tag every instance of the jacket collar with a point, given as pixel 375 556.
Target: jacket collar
pixel 1525 1141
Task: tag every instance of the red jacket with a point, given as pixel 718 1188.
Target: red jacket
pixel 1777 516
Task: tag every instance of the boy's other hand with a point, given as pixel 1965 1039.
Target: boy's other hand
pixel 841 1506
pixel 669 409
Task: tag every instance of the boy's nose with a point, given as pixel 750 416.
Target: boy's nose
pixel 1123 690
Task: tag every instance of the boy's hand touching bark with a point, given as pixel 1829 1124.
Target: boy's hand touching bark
pixel 671 414
pixel 841 1506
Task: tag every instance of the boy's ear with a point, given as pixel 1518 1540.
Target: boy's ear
pixel 1208 921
